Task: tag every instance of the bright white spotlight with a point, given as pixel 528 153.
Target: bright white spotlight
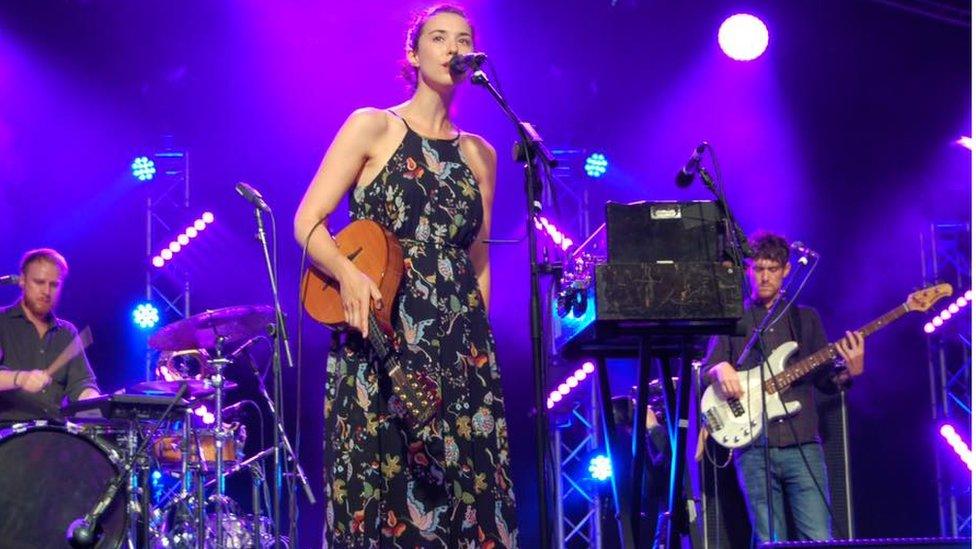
pixel 743 37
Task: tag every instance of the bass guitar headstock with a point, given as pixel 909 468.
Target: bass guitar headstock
pixel 922 300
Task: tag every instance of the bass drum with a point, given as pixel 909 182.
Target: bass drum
pixel 51 475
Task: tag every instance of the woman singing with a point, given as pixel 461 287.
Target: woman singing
pixel 410 169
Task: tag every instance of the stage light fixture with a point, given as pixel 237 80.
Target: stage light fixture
pixel 962 449
pixel 596 165
pixel 183 239
pixel 600 468
pixel 743 37
pixel 145 316
pixel 951 310
pixel 143 168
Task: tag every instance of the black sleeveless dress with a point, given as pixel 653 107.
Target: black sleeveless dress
pixel 449 486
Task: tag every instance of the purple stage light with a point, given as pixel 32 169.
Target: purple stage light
pixel 962 449
pixel 954 308
pixel 571 382
pixel 743 37
pixel 557 237
pixel 183 239
pixel 965 141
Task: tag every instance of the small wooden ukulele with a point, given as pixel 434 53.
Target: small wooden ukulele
pixel 376 252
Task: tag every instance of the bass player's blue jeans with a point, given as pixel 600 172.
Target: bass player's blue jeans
pixel 791 482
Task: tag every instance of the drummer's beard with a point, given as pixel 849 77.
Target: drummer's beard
pixel 40 307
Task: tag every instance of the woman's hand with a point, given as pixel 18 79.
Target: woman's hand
pixel 357 291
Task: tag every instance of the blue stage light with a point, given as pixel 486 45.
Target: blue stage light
pixel 145 316
pixel 143 168
pixel 596 165
pixel 600 468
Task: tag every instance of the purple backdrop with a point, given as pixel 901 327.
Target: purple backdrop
pixel 840 135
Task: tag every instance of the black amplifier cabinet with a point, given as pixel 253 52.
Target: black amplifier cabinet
pixel 627 300
pixel 664 231
pixel 669 291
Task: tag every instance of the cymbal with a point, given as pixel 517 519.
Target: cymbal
pixel 195 388
pixel 201 331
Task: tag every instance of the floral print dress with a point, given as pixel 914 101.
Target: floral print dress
pixel 450 484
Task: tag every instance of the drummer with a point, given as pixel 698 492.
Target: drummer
pixel 32 338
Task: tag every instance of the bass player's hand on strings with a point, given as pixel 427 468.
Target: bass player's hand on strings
pixel 357 291
pixel 851 348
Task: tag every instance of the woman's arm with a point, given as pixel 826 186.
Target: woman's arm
pixel 343 162
pixel 483 163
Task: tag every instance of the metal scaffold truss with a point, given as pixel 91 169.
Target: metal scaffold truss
pixel 167 208
pixel 946 257
pixel 579 504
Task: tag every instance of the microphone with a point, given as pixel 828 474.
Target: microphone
pixel 253 196
pixel 9 280
pixel 804 252
pixel 463 62
pixel 687 174
pixel 233 409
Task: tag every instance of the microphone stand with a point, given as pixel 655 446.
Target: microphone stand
pixel 280 437
pixel 85 531
pixel 740 241
pixel 532 151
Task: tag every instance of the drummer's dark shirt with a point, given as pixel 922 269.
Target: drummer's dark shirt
pixel 22 348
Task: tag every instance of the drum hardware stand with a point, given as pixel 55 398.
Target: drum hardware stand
pixel 280 334
pixel 217 380
pixel 86 531
pixel 257 481
pixel 189 472
pixel 139 501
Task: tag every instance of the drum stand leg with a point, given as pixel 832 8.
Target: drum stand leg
pixel 134 501
pixel 220 434
pixel 257 480
pixel 138 504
